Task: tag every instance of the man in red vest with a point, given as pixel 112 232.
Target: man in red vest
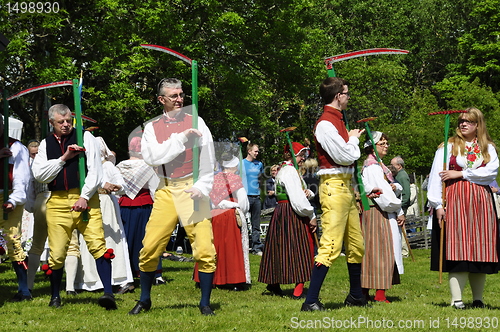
pixel 337 151
pixel 19 176
pixel 167 144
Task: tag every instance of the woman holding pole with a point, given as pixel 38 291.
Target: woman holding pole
pixel 465 208
pixel 381 224
pixel 289 251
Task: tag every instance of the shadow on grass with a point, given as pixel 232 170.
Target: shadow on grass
pixel 168 269
pixel 468 306
pixel 214 306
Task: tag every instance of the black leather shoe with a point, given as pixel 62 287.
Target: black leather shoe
pixel 19 297
pixel 274 290
pixel 316 306
pixel 207 311
pixel 128 288
pixel 139 306
pixel 107 301
pixel 55 302
pixel 71 292
pixel 351 301
pixel 478 304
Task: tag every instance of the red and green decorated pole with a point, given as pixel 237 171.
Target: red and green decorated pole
pixel 290 145
pixel 370 136
pixel 77 97
pixel 194 87
pixel 196 150
pixel 443 197
pixel 329 61
pixel 6 117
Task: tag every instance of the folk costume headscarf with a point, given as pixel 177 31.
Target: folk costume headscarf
pixel 372 159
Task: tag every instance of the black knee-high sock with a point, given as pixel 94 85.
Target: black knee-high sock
pixel 355 279
pixel 22 276
pixel 206 287
pixel 55 281
pixel 317 277
pixel 104 270
pixel 147 279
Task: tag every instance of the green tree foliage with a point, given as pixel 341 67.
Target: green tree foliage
pixel 260 64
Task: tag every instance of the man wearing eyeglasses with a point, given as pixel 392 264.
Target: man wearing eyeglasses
pixel 337 151
pixel 167 144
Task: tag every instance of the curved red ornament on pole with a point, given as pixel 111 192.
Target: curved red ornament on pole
pixel 367 119
pixel 447 112
pixel 169 51
pixel 350 55
pixel 40 87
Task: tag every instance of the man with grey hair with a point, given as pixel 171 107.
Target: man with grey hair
pixel 167 144
pixel 403 179
pixel 57 165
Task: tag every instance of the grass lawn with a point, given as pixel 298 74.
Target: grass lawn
pixel 418 304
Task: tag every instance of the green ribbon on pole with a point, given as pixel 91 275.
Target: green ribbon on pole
pixel 292 152
pixel 364 199
pixel 446 132
pixel 196 149
pixel 291 146
pixel 5 144
pixel 79 138
pixel 370 136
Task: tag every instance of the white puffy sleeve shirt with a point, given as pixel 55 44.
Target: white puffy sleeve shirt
pixel 342 152
pixel 481 175
pixel 373 177
pixel 157 154
pixel 290 179
pixel 45 170
pixel 112 175
pixel 21 174
pixel 241 196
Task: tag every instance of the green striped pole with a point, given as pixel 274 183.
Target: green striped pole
pixel 79 138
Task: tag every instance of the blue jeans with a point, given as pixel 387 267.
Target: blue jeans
pixel 255 207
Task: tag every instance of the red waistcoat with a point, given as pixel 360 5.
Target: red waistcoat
pixel 182 165
pixel 333 116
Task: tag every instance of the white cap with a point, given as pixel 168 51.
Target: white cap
pixel 377 135
pixel 231 163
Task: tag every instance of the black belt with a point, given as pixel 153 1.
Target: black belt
pixel 253 195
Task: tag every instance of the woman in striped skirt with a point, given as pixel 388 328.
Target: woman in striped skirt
pixel 381 224
pixel 288 255
pixel 471 226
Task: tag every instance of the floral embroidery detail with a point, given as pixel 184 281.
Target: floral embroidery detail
pixel 473 153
